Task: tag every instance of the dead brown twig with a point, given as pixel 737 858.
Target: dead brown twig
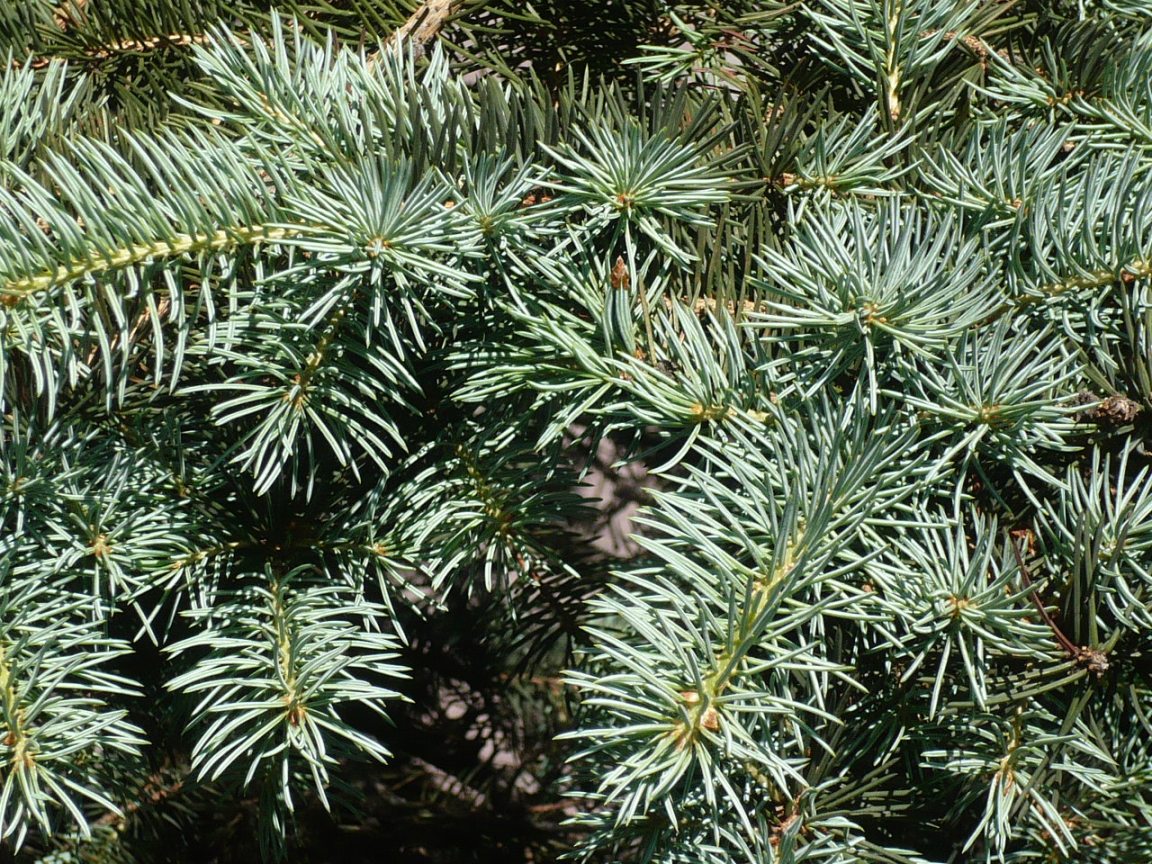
pixel 1092 659
pixel 422 26
pixel 154 792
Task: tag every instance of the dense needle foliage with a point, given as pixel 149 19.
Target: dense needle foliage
pixel 318 318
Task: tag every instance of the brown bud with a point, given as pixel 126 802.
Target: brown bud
pixel 1118 410
pixel 1093 660
pixel 710 719
pixel 620 277
pixel 1114 410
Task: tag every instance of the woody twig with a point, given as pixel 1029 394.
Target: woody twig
pixel 422 25
pixel 1093 660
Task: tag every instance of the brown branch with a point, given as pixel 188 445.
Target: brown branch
pixel 115 49
pixel 422 26
pixel 1066 643
pixel 68 12
pixel 703 305
pixel 1093 660
pixel 154 792
pixel 143 318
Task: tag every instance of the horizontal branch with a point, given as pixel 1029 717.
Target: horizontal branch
pixel 124 46
pixel 1141 268
pixel 15 290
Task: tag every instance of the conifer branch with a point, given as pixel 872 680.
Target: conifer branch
pixel 383 295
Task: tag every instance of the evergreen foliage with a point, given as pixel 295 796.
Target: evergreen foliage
pixel 315 316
